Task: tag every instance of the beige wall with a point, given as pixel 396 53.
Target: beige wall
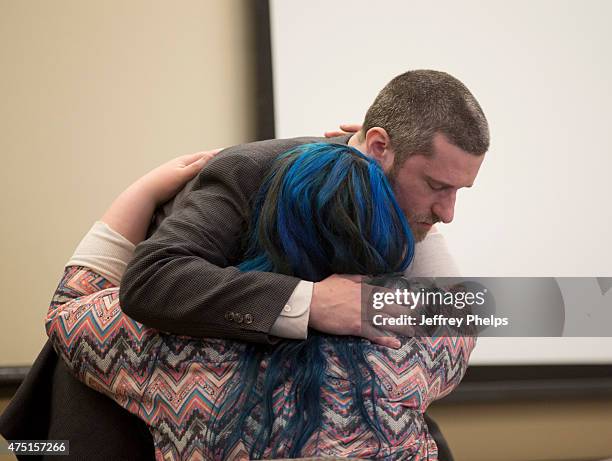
pixel 527 431
pixel 93 95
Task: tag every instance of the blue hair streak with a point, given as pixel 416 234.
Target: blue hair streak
pixel 323 209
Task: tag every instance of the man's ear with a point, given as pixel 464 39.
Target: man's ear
pixel 378 145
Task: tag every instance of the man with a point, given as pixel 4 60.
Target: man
pixel 426 130
pixel 424 113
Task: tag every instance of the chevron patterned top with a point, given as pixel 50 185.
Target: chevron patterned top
pixel 172 382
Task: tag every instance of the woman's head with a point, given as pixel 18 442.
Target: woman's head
pixel 324 209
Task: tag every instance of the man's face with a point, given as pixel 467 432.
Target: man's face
pixel 426 186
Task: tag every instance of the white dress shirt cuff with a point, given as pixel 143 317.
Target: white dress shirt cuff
pixel 293 320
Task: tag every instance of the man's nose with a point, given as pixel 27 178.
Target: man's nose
pixel 444 207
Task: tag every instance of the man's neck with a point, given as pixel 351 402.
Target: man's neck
pixel 355 142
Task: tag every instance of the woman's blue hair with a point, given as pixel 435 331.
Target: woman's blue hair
pixel 323 209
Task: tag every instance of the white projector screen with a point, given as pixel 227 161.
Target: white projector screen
pixel 541 70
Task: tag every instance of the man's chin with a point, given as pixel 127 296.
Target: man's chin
pixel 420 232
pixel 420 236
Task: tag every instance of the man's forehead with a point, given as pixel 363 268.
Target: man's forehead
pixel 450 165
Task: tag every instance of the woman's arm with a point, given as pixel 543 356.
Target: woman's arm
pixel 109 245
pixel 103 347
pixel 130 214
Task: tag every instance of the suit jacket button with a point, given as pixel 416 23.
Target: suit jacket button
pixel 229 316
pixel 238 317
pixel 248 318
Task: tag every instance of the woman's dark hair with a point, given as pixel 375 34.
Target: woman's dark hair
pixel 323 209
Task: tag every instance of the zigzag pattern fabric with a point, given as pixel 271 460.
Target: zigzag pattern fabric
pixel 173 382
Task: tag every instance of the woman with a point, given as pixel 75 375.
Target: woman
pixel 324 209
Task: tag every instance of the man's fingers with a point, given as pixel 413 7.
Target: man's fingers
pixel 372 331
pixel 392 318
pixel 387 341
pixel 396 310
pixel 354 277
pixel 402 330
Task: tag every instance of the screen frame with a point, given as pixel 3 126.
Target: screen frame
pixel 481 382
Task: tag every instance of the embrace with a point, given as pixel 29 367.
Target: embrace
pixel 234 330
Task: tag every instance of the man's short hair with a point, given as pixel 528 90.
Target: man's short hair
pixel 420 103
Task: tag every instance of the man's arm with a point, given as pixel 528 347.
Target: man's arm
pixel 183 278
pixel 85 322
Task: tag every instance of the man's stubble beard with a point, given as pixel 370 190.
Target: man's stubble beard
pixel 418 233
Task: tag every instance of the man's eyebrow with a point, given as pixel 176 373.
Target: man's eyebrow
pixel 443 184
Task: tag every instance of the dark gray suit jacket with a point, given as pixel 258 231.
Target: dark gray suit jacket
pixel 182 278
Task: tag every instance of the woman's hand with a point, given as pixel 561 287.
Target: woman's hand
pixel 130 214
pixel 166 180
pixel 345 128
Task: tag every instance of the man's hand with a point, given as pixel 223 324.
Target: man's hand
pixel 345 128
pixel 336 308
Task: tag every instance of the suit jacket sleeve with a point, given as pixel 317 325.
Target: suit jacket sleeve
pixel 183 280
